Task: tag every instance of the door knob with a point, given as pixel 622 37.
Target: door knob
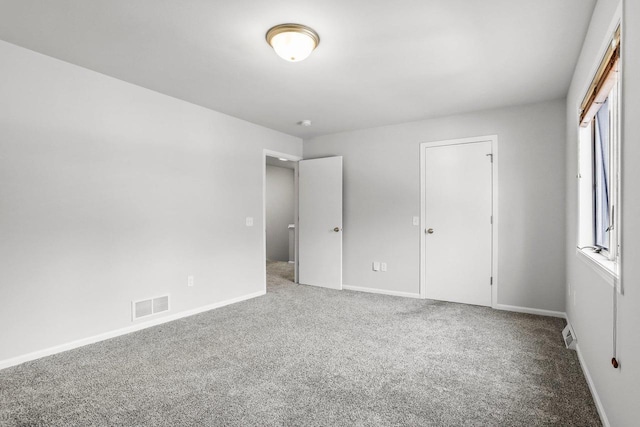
pixel 336 229
pixel 430 231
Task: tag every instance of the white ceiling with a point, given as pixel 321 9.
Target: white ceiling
pixel 379 62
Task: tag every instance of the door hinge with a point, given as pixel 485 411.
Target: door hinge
pixel 491 219
pixel 491 280
pixel 490 157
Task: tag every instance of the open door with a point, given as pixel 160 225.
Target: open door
pixel 320 222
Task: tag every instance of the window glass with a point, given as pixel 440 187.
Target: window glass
pixel 601 177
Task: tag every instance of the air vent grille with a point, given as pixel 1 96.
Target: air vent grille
pixel 143 308
pixel 161 304
pixel 149 307
pixel 569 337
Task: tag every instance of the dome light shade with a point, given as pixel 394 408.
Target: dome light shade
pixel 292 42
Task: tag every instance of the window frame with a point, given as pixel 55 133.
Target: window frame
pixel 605 261
pixel 609 177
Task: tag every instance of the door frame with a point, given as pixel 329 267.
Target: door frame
pixel 270 153
pixel 494 208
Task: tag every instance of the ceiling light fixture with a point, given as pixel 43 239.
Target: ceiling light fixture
pixel 282 159
pixel 292 42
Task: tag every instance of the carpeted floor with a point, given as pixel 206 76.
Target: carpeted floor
pixel 302 356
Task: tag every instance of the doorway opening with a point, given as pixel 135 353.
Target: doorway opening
pixel 280 219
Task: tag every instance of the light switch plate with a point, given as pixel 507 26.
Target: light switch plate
pixel 376 266
pixel 249 221
pixel 416 220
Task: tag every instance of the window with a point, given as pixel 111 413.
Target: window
pixel 599 178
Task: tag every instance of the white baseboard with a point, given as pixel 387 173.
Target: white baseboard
pixel 538 311
pixel 381 291
pixel 592 388
pixel 118 332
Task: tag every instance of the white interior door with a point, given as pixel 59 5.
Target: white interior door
pixel 458 223
pixel 320 222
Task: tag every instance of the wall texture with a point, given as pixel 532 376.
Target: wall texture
pixel 590 303
pixel 279 210
pixel 111 193
pixel 382 194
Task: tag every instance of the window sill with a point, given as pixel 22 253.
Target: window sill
pixel 602 265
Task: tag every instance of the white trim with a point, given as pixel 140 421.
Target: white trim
pixel 599 264
pixel 296 223
pixel 592 388
pixel 494 213
pixel 423 209
pixel 494 208
pixel 270 153
pixel 621 138
pixel 118 332
pixel 381 291
pixel 528 310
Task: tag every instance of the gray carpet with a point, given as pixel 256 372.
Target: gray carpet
pixel 309 356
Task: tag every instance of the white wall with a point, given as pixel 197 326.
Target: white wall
pixel 382 194
pixel 279 206
pixel 591 314
pixel 110 193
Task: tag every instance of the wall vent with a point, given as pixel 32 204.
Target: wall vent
pixel 569 337
pixel 149 307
